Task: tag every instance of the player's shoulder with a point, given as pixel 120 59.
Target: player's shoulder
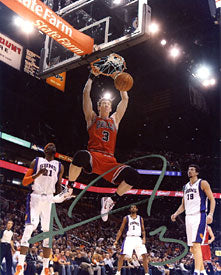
pixel 204 184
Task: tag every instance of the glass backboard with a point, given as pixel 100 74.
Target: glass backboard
pixel 113 24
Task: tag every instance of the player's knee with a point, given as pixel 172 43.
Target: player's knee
pixel 83 159
pixel 130 176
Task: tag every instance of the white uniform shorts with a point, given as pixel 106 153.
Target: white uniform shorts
pixel 39 207
pixel 195 228
pixel 133 243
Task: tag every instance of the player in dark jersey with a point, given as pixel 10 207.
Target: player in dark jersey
pixel 99 156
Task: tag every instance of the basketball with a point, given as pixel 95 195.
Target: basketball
pixel 123 82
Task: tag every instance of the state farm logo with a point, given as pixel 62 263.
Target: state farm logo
pixel 163 193
pixel 52 25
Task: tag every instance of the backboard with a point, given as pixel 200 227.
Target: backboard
pixel 113 24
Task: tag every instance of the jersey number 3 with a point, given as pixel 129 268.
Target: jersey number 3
pixel 106 135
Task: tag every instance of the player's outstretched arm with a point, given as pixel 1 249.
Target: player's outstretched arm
pixel 121 108
pixel 206 188
pixel 120 231
pixel 87 103
pixel 178 212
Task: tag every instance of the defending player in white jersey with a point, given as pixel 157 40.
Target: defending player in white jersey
pixel 135 228
pixel 43 174
pixel 195 195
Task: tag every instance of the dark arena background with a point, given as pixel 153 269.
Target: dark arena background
pixel 173 111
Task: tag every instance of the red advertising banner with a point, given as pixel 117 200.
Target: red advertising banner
pixel 78 185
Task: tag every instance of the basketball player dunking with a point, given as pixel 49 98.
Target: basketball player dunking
pixel 43 174
pixel 99 157
pixel 196 193
pixel 135 228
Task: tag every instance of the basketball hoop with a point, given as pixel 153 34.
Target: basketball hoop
pixel 109 65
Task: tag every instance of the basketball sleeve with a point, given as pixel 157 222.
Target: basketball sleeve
pixel 28 179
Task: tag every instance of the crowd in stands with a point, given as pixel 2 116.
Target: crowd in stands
pixel 89 248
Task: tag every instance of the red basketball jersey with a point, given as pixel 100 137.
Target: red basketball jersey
pixel 102 136
pixel 206 252
pixel 206 238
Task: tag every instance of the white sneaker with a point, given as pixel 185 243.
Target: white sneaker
pixel 106 205
pixel 66 194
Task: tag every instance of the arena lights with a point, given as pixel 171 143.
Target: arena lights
pixel 174 52
pixel 204 74
pixel 163 42
pixel 25 26
pixel 117 2
pixel 107 96
pixel 154 28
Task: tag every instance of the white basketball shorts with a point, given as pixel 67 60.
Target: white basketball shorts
pixel 195 228
pixel 133 243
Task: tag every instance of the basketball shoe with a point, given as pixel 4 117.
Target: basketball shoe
pixel 106 205
pixel 19 270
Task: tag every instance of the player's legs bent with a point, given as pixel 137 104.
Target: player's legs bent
pixel 127 177
pixel 81 159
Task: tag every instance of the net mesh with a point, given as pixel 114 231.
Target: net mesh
pixel 109 65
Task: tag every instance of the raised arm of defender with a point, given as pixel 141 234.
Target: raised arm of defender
pixel 87 103
pixel 121 108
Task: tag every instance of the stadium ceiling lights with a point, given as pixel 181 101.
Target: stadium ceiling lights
pixel 163 42
pixel 25 26
pixel 117 2
pixel 154 28
pixel 107 95
pixel 204 74
pixel 174 52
